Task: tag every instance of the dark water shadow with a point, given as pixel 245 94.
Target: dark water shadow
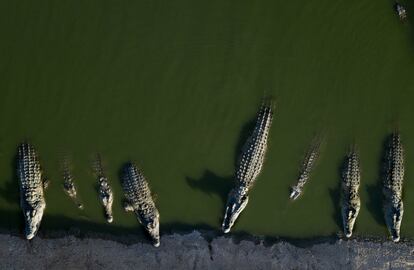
pixel 10 192
pixel 120 175
pixel 336 195
pixel 11 221
pixel 210 183
pixel 58 226
pixel 375 200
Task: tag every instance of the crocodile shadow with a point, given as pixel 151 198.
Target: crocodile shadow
pixel 375 196
pixel 210 182
pixel 10 192
pixel 335 194
pixel 374 203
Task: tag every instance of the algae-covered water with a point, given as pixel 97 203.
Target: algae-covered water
pixel 173 85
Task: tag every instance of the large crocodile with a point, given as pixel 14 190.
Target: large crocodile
pixel 306 169
pixel 249 166
pixel 139 199
pixel 393 184
pixel 31 184
pixel 351 203
pixel 106 195
pixel 68 183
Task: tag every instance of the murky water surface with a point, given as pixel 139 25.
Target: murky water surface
pixel 172 85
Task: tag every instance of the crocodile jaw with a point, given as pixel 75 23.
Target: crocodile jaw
pixel 153 228
pixel 33 219
pixel 234 207
pixel 295 193
pixel 349 218
pixel 395 229
pixel 394 220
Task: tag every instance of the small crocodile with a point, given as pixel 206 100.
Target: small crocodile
pixel 68 183
pixel 106 195
pixel 401 11
pixel 351 203
pixel 139 199
pixel 307 167
pixel 393 184
pixel 31 184
pixel 249 166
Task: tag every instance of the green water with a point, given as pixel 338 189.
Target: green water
pixel 172 85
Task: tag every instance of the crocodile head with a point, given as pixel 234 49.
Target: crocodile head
pixel 349 216
pixel 33 217
pixel 152 226
pixel 394 219
pixel 235 205
pixel 295 193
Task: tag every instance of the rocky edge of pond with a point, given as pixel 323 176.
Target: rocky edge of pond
pixel 196 250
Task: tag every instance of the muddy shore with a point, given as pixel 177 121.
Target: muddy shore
pixel 196 251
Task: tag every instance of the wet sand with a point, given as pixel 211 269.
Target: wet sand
pixel 196 251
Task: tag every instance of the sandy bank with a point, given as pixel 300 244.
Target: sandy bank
pixel 193 251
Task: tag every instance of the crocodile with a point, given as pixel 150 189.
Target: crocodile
pixel 139 200
pixel 106 195
pixel 249 166
pixel 401 11
pixel 31 185
pixel 351 203
pixel 393 185
pixel 68 183
pixel 308 164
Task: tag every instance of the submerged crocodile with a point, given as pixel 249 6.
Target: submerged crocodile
pixel 308 165
pixel 68 184
pixel 106 195
pixel 351 203
pixel 249 166
pixel 393 184
pixel 139 199
pixel 31 184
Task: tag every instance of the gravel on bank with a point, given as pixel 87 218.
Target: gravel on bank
pixel 193 251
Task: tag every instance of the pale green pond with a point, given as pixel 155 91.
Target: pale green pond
pixel 171 84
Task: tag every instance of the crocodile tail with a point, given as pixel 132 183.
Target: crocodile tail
pixel 97 165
